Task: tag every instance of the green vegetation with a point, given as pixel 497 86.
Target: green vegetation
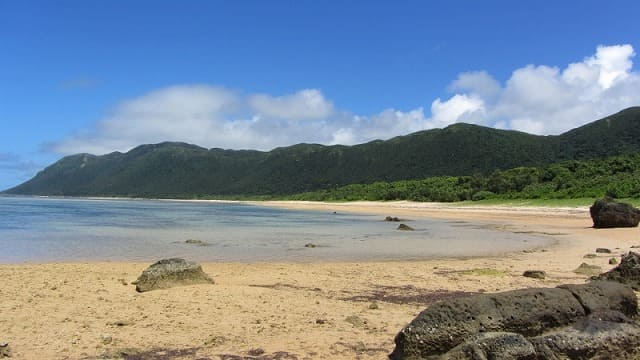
pixel 458 163
pixel 617 176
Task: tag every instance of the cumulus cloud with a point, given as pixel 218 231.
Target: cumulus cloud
pixel 544 99
pixel 478 83
pixel 304 104
pixel 539 99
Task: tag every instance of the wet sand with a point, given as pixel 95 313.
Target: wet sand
pixel 318 310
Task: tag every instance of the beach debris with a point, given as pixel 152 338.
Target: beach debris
pixel 587 269
pixel 255 352
pixel 628 272
pixel 535 274
pixel 168 273
pixel 603 251
pixel 607 213
pixel 405 227
pixel 613 261
pixel 278 355
pixel 321 321
pixel 216 340
pixel 355 320
pixel 592 320
pixel 155 353
pixel 106 339
pixel 310 245
pixel 5 350
pixel 120 323
pixel 374 306
pixel 590 256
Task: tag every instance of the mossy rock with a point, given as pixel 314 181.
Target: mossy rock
pixel 168 273
pixel 586 269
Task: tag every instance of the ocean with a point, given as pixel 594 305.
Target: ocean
pixel 35 229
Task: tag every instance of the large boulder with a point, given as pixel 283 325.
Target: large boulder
pixel 606 213
pixel 168 273
pixel 544 323
pixel 628 272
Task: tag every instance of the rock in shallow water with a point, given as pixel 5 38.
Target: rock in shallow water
pixel 405 227
pixel 168 273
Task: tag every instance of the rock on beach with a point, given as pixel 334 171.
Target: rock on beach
pixel 607 213
pixel 168 273
pixel 571 321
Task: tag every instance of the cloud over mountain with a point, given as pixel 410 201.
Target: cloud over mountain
pixel 540 99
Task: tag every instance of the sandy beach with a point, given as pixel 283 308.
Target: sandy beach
pixel 318 310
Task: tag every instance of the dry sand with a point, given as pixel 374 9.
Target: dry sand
pixel 321 310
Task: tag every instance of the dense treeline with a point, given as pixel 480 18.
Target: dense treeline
pixel 615 176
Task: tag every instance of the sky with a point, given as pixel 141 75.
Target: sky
pixel 102 76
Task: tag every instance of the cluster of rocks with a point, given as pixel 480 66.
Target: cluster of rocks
pixel 628 272
pixel 594 320
pixel 404 227
pixel 168 273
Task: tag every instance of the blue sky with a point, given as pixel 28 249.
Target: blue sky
pixel 102 76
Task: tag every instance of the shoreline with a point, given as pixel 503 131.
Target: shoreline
pixel 310 310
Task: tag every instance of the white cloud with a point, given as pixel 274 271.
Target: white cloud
pixel 452 110
pixel 535 98
pixel 478 83
pixel 549 100
pixel 304 104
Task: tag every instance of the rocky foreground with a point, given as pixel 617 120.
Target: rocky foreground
pixel 585 321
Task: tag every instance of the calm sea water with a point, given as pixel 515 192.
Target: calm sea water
pixel 51 229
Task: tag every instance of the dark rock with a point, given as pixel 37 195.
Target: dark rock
pixel 590 256
pixel 256 352
pixel 390 218
pixel 607 213
pixel 447 324
pixel 599 296
pixel 603 251
pixel 613 261
pixel 5 350
pixel 536 274
pixel 569 322
pixel 310 245
pixel 195 242
pixel 168 273
pixel 494 345
pixel 405 227
pixel 598 336
pixel 586 269
pixel 628 272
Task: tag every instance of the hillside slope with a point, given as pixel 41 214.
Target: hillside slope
pixel 184 171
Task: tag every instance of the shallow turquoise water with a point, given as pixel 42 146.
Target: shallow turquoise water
pixel 54 229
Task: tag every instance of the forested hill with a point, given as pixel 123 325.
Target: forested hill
pixel 179 170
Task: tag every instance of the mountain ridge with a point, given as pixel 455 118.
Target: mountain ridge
pixel 182 170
